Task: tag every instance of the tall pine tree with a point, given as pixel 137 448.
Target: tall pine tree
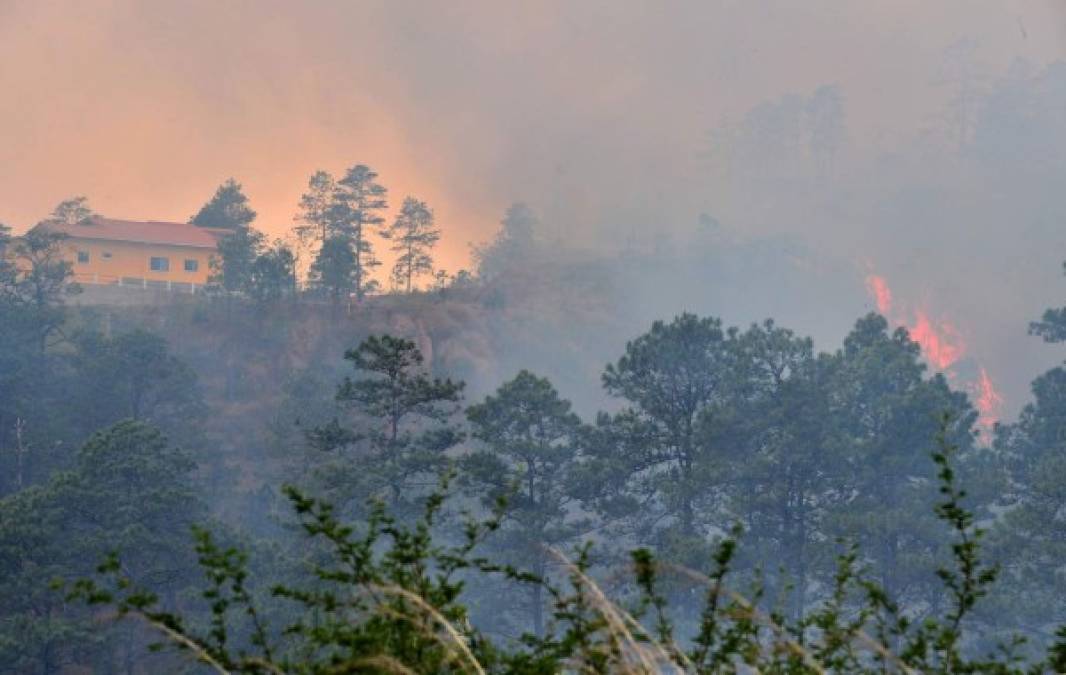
pixel 400 428
pixel 313 219
pixel 670 378
pixel 355 213
pixel 530 442
pixel 413 236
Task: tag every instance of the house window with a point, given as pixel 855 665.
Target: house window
pixel 192 265
pixel 105 254
pixel 160 264
pixel 83 256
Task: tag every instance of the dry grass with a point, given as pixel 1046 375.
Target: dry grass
pixel 634 650
pixel 638 656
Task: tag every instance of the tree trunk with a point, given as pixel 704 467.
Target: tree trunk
pixel 358 275
pixel 538 598
pixel 359 261
pixel 20 453
pixel 410 268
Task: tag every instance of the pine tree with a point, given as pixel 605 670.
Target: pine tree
pixel 400 429
pixel 671 377
pixel 34 282
pixel 413 237
pixel 314 210
pixel 273 274
pixel 227 210
pixel 1031 536
pixel 333 271
pixel 885 411
pixel 237 253
pixel 38 280
pixel 776 448
pixel 530 457
pixel 356 210
pixel 514 243
pixel 128 490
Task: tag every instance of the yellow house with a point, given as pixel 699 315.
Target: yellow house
pixel 175 256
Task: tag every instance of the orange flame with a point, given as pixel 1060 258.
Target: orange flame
pixel 942 347
pixel 878 288
pixel 987 401
pixel 941 343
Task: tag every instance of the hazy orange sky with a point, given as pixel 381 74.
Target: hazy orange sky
pixel 585 109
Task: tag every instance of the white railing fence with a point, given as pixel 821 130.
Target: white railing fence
pixel 138 283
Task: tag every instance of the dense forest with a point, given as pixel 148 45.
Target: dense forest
pixel 290 474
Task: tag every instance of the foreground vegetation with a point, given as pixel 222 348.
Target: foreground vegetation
pixel 386 597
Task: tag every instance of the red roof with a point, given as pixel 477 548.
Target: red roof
pixel 150 232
